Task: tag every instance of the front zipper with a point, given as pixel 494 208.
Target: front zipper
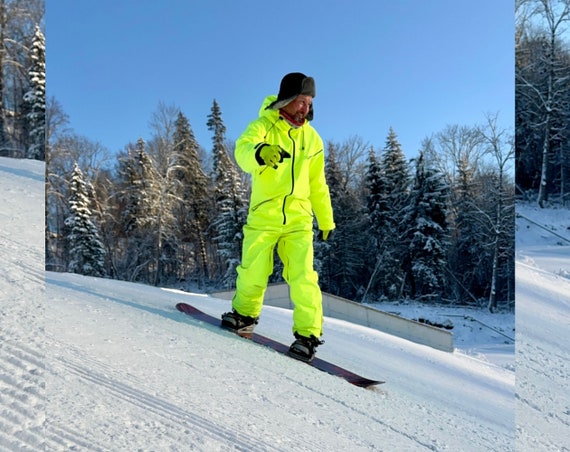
pixel 292 178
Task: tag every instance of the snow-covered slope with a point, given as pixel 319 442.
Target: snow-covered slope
pixel 22 395
pixel 543 329
pixel 109 365
pixel 149 375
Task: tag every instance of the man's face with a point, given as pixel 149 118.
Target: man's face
pixel 299 108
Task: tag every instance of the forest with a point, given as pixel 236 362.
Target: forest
pixel 22 79
pixel 542 101
pixel 167 210
pixel 438 228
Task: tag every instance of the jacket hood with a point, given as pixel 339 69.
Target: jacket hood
pixel 266 103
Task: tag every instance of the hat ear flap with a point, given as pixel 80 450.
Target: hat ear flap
pixel 308 87
pixel 277 104
pixel 309 116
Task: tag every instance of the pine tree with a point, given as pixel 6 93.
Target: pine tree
pixel 35 98
pixel 139 215
pixel 339 259
pixel 230 198
pixel 376 196
pixel 388 188
pixel 427 234
pixel 468 254
pixel 195 207
pixel 230 219
pixel 136 174
pixel 86 250
pixel 377 210
pixel 396 173
pixel 216 125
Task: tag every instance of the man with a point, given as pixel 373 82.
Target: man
pixel 285 157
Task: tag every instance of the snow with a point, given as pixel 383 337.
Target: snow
pixel 96 364
pixel 22 376
pixel 543 328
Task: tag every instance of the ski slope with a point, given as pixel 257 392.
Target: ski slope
pixel 22 352
pixel 95 364
pixel 543 329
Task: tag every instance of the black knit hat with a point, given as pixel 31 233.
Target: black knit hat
pixel 292 85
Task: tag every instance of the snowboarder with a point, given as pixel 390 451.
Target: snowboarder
pixel 285 156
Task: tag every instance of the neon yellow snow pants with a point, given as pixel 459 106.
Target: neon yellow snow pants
pixel 295 249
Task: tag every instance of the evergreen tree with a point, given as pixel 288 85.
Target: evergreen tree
pixel 86 250
pixel 388 188
pixel 195 207
pixel 339 259
pixel 133 169
pixel 230 219
pixel 138 212
pixel 396 173
pixel 377 210
pixel 216 125
pixel 427 233
pixel 230 198
pixel 467 251
pixel 35 98
pixel 376 196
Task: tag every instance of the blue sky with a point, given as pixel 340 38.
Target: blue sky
pixel 413 65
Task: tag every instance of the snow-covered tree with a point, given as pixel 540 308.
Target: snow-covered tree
pixel 427 233
pixel 388 191
pixel 230 199
pixel 500 218
pixel 18 20
pixel 87 253
pixel 130 170
pixel 138 195
pixel 216 125
pixel 194 210
pixel 376 196
pixel 396 171
pixel 230 218
pixel 339 259
pixel 458 153
pixel 35 98
pixel 542 74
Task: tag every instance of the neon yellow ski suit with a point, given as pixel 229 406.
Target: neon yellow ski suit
pixel 283 201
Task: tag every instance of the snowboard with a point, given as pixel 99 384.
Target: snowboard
pixel 317 363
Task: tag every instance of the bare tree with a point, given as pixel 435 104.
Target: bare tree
pixel 549 91
pixel 18 20
pixel 351 157
pixel 162 124
pixel 501 224
pixel 458 152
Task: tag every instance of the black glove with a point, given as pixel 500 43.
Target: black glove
pixel 271 155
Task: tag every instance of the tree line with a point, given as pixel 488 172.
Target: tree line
pixel 542 94
pixel 437 228
pixel 22 79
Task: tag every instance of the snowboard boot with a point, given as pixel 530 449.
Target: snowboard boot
pixel 239 323
pixel 304 348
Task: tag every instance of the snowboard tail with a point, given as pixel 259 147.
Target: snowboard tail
pixel 317 363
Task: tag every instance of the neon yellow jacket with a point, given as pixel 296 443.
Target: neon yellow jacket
pixel 297 188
